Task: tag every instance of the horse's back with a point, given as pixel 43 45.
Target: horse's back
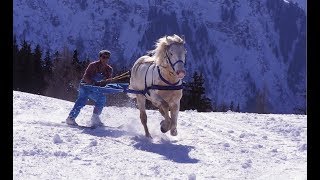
pixel 138 73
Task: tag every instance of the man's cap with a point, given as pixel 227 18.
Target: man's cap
pixel 106 52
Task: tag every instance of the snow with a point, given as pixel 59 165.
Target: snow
pixel 211 145
pixel 301 3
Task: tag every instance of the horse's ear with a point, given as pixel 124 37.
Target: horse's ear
pixel 183 38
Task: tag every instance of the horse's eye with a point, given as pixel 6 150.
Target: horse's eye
pixel 171 54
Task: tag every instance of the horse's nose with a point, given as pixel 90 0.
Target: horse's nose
pixel 181 73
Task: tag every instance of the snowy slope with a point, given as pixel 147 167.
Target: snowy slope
pixel 208 146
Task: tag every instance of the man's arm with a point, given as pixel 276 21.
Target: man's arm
pixel 88 75
pixel 110 75
pixel 109 79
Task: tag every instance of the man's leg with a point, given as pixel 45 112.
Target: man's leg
pixel 99 104
pixel 100 101
pixel 78 105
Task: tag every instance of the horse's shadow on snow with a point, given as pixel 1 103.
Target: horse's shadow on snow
pixel 174 152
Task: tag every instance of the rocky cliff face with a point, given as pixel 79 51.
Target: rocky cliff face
pixel 250 52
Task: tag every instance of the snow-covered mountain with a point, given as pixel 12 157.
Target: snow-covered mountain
pixel 251 52
pixel 215 145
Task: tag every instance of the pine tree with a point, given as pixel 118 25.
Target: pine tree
pixel 231 106
pixel 75 59
pixel 194 95
pixel 56 56
pixel 15 64
pixel 37 80
pixel 85 63
pixel 77 64
pixel 48 68
pixel 238 108
pixel 23 68
pixel 301 108
pixel 261 100
pixel 52 80
pixel 47 63
pixel 223 107
pixel 65 77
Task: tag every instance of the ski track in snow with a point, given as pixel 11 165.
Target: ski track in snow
pixel 213 145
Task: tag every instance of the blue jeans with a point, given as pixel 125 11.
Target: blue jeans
pixel 86 93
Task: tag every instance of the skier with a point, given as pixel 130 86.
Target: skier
pixel 98 73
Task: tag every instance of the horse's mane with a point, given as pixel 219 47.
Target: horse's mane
pixel 158 54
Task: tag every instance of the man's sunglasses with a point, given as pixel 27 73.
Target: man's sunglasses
pixel 105 57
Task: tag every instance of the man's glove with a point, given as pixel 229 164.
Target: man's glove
pixel 101 83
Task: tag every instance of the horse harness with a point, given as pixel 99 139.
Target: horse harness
pixel 169 86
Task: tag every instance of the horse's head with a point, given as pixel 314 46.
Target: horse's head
pixel 176 56
pixel 172 54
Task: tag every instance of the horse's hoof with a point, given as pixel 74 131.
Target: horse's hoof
pixel 163 130
pixel 161 122
pixel 174 132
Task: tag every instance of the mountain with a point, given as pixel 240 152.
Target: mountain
pixel 214 145
pixel 251 53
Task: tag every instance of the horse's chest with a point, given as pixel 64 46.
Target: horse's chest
pixel 170 95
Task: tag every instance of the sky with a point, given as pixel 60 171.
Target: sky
pixel 212 145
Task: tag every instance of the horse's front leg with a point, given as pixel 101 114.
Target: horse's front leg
pixel 164 110
pixel 166 123
pixel 174 111
pixel 141 101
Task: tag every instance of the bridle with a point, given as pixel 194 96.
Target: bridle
pixel 173 64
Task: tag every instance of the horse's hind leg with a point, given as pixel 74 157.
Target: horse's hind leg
pixel 141 101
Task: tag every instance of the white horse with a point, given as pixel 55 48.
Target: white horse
pixel 158 78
